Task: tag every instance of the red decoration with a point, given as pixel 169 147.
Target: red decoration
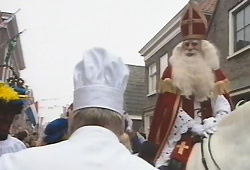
pixel 194 23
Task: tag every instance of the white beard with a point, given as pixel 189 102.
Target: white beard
pixel 192 75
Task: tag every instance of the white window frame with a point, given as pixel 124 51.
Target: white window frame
pixel 152 73
pixel 232 12
pixel 163 63
pixel 147 122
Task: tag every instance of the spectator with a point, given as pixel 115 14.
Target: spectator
pixel 100 80
pixel 56 131
pixel 10 105
pixel 22 136
pixel 148 151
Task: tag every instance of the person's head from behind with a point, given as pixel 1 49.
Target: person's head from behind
pixel 56 131
pixel 100 80
pixel 10 105
pixel 22 135
pixel 148 151
pixel 98 117
pixel 6 119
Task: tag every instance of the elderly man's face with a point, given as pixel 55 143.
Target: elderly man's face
pixel 191 47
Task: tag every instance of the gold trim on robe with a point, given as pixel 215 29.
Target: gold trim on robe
pixel 220 88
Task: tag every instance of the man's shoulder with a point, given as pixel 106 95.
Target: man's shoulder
pixel 138 163
pixel 15 140
pixel 222 84
pixel 167 72
pixel 219 75
pixel 12 144
pixel 31 157
pixel 167 85
pixel 44 156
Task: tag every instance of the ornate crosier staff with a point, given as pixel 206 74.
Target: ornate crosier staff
pixel 11 45
pixel 9 40
pixel 15 81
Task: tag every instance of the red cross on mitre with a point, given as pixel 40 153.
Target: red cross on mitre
pixel 194 23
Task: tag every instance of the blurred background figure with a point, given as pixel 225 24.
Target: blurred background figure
pixel 148 151
pixel 125 140
pixel 11 104
pixel 128 122
pixel 135 138
pixel 56 131
pixel 23 136
pixel 33 139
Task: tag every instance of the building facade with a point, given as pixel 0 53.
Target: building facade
pixel 156 54
pixel 229 30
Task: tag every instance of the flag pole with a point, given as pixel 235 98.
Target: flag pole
pixel 12 38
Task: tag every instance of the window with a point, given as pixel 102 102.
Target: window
pixel 242 28
pixel 239 28
pixel 148 116
pixel 152 79
pixel 163 63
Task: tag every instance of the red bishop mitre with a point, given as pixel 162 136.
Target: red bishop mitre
pixel 194 23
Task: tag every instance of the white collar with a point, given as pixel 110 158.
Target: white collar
pixel 93 131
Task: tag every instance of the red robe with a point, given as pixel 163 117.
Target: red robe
pixel 169 101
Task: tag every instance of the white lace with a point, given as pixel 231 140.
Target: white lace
pixel 182 124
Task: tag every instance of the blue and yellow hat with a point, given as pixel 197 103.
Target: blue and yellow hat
pixel 11 99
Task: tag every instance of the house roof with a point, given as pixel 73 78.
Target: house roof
pixel 208 6
pixel 135 93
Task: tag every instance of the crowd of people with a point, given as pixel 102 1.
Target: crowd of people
pixel 98 134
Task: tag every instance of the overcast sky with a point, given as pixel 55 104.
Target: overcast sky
pixel 59 31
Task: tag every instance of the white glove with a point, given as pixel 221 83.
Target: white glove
pixel 210 125
pixel 197 129
pixel 210 130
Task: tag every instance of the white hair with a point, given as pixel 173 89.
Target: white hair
pixel 210 54
pixel 194 75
